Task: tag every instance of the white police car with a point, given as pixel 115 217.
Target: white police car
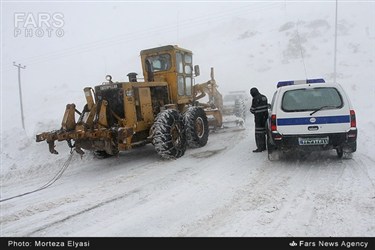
pixel 311 115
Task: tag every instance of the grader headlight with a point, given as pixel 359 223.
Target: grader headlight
pixel 108 78
pixel 129 92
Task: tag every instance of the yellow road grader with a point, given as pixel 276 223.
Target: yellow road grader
pixel 163 110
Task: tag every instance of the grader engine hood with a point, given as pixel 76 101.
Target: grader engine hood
pixel 113 94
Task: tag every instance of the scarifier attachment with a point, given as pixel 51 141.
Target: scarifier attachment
pixel 89 132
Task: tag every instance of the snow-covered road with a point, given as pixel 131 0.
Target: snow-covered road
pixel 222 189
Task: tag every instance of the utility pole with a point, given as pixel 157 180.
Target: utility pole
pixel 20 91
pixel 335 52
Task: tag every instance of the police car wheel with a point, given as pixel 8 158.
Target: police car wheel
pixel 348 155
pixel 273 155
pixel 340 152
pixel 270 147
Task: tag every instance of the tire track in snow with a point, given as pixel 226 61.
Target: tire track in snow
pixel 275 194
pixel 135 172
pixel 205 225
pixel 330 197
pixel 23 210
pixel 72 216
pixel 73 172
pixel 362 166
pixel 253 198
pixel 173 177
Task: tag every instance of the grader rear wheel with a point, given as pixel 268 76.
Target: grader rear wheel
pixel 196 127
pixel 169 135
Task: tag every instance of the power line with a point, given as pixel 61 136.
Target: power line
pixel 335 47
pixel 20 90
pixel 300 47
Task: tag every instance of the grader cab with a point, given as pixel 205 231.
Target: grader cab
pixel 162 110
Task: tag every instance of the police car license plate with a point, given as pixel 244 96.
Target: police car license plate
pixel 313 141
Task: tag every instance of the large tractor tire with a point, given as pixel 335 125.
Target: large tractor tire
pixel 169 137
pixel 101 148
pixel 196 127
pixel 101 154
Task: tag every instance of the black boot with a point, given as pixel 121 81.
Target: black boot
pixel 257 150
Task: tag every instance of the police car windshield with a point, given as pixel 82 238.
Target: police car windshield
pixel 311 99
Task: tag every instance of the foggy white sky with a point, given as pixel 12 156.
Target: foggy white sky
pixel 105 38
pixel 104 31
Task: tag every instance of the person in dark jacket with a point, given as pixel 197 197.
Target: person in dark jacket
pixel 259 108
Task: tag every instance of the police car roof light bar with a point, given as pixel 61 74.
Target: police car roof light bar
pixel 318 80
pixel 307 81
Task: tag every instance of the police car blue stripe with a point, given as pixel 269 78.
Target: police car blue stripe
pixel 309 120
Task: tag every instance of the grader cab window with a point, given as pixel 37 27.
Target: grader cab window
pixel 180 85
pixel 189 84
pixel 160 62
pixel 184 68
pixel 184 87
pixel 179 63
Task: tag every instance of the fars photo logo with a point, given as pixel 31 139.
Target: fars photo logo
pixel 41 24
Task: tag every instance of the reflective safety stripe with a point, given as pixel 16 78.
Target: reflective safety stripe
pixel 259 109
pixel 260 130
